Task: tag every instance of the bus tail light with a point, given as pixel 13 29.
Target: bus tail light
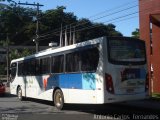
pixel 109 83
pixel 147 82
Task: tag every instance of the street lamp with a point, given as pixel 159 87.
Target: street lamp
pixel 37 44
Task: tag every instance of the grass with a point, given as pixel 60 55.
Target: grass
pixel 156 96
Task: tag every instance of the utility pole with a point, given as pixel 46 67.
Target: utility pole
pixel 7 43
pixel 36 40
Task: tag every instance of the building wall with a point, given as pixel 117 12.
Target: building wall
pixel 149 11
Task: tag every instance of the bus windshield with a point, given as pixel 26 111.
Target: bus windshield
pixel 126 51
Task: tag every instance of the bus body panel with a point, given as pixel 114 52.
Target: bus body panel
pixel 88 87
pixel 110 98
pixel 128 80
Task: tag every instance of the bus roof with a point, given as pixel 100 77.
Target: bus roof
pixel 60 49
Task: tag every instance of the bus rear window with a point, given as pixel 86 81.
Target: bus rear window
pixel 126 51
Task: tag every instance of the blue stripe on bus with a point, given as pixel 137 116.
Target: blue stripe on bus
pixel 89 81
pixel 86 81
pixel 70 81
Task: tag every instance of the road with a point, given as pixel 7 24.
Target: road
pixel 30 109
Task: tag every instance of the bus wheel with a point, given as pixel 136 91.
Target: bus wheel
pixel 58 99
pixel 19 94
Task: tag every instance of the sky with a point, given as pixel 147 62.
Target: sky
pixel 105 11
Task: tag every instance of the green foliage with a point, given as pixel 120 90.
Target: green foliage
pixel 156 96
pixel 135 33
pixel 96 30
pixel 20 25
pixel 2 69
pixel 14 54
pixel 19 22
pixel 55 17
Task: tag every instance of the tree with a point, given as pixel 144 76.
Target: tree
pixel 2 69
pixel 135 33
pixel 14 54
pixel 20 24
pixel 90 30
pixel 55 17
pixel 15 22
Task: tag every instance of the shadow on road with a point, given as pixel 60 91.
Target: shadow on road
pixel 7 95
pixel 110 109
pixel 114 108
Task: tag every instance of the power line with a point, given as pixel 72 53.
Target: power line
pixel 86 22
pixel 37 24
pixel 108 10
pixel 107 21
pixel 115 12
pixel 94 19
pixel 90 27
pixel 117 18
pixel 94 26
pixel 58 29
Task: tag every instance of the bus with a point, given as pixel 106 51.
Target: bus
pixel 98 71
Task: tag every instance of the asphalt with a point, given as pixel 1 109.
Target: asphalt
pixel 149 103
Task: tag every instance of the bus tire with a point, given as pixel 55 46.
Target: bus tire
pixel 19 94
pixel 58 99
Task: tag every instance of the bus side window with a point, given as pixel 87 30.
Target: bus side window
pixel 90 59
pixel 13 71
pixel 38 67
pixel 57 64
pixel 45 65
pixel 73 62
pixel 20 68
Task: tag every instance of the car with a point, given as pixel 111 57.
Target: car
pixel 2 89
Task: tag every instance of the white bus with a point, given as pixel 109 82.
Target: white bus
pixel 98 71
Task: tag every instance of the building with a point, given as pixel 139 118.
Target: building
pixel 149 12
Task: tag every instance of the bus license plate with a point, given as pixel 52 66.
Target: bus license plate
pixel 130 90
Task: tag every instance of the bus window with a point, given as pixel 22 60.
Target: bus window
pixel 84 60
pixel 90 59
pixel 38 67
pixel 57 64
pixel 20 68
pixel 124 51
pixel 45 65
pixel 72 62
pixel 13 70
